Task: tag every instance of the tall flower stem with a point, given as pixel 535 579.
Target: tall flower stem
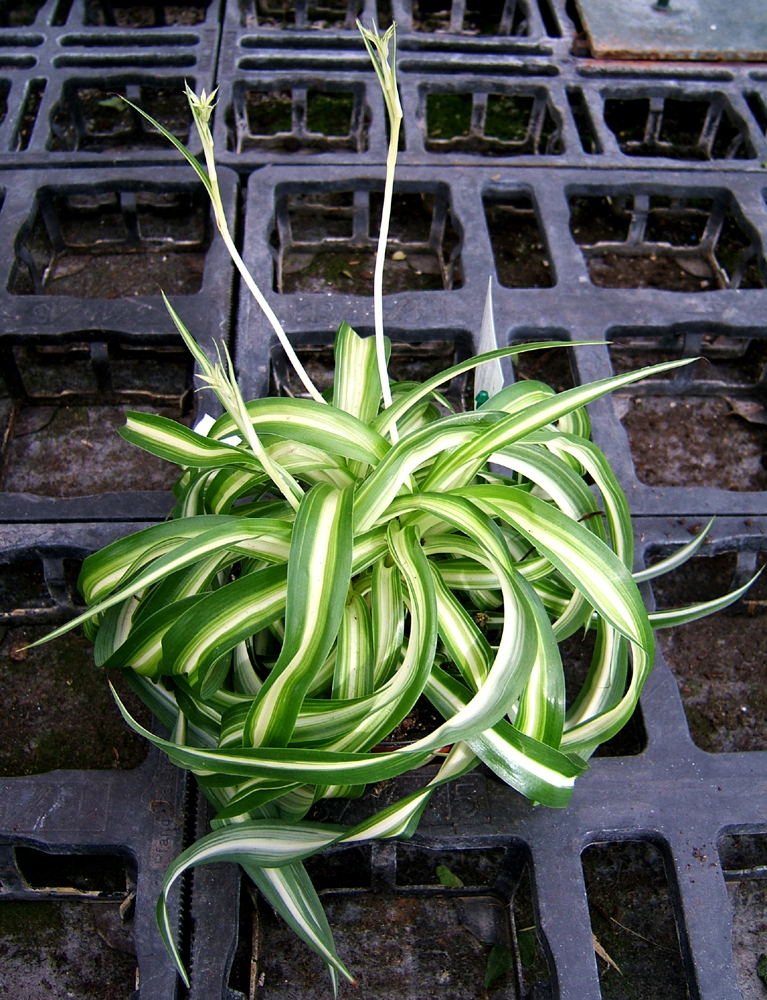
pixel 391 162
pixel 378 50
pixel 202 108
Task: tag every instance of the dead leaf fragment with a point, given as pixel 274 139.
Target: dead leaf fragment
pixel 750 409
pixel 621 405
pixel 67 266
pixel 425 263
pixel 603 954
pixel 292 263
pixel 696 266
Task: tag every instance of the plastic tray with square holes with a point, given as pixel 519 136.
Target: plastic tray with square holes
pixel 613 202
pixel 65 63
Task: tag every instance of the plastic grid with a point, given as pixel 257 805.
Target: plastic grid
pixel 680 797
pixel 572 308
pixel 733 105
pixel 41 317
pixel 73 47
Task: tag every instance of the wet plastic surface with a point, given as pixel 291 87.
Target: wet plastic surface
pixel 633 29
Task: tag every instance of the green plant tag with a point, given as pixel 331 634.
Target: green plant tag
pixel 447 878
pixel 499 961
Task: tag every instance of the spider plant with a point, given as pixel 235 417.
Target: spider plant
pixel 331 560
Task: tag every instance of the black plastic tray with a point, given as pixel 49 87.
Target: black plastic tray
pixel 672 794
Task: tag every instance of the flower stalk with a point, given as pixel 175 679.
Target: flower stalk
pixel 378 50
pixel 202 108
